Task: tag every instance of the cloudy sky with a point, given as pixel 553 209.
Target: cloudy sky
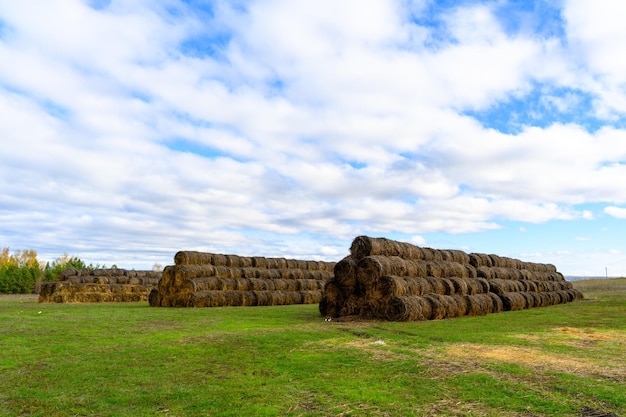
pixel 131 129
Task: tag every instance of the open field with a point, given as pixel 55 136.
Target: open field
pixel 129 359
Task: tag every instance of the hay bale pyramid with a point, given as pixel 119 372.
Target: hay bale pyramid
pixel 200 279
pixel 396 281
pixel 99 285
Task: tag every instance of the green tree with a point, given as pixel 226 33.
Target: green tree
pixel 19 271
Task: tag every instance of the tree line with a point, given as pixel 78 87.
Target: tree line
pixel 22 273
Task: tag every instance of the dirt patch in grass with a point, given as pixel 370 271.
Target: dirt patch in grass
pixel 535 359
pixel 572 336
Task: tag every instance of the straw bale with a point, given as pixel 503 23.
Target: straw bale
pixel 462 304
pixel 458 256
pixel 495 260
pixel 528 285
pixel 470 271
pixel 390 286
pixel 252 298
pixel 479 304
pixel 502 286
pixel 328 308
pixel 412 308
pixel 497 306
pixel 333 291
pixel 475 260
pixel 566 285
pixel 460 285
pixel 476 285
pixel 192 258
pixel 369 269
pixel 485 272
pixel 442 306
pixel 527 274
pixel 434 269
pixel 437 285
pixel 258 262
pixel 446 255
pixel 66 273
pixel 363 246
pixel 513 301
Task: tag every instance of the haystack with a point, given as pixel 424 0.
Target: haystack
pixel 99 285
pixel 199 279
pixel 398 281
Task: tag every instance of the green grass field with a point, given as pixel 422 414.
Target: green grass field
pixel 129 359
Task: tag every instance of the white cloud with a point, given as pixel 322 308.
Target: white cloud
pixel 617 212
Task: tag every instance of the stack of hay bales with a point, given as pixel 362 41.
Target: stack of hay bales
pixel 397 281
pixel 200 279
pixel 99 285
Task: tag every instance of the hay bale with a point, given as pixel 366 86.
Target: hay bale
pixel 345 272
pixel 514 301
pixel 371 268
pixel 479 304
pixel 442 306
pixel 413 308
pixel 476 285
pixel 462 305
pixel 470 271
pixel 460 285
pixel 363 246
pixel 484 272
pixel 390 286
pixel 193 258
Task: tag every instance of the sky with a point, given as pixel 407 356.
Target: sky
pixel 132 129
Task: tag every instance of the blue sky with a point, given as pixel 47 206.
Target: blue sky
pixel 133 129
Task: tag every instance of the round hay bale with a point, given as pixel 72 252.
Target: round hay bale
pixel 391 286
pixel 332 292
pixel 513 301
pixel 192 258
pixel 446 255
pixel 495 260
pixel 434 269
pixel 460 285
pixel 345 272
pixel 565 285
pixel 448 286
pixel 441 306
pixel 474 260
pixel 497 305
pixel 408 309
pixel 479 304
pixel 328 308
pixel 371 268
pixel 437 285
pixel 295 273
pixel 484 272
pixel 258 262
pixel 430 254
pixel 363 246
pixel 527 274
pixel 311 297
pixel 470 271
pixel 201 284
pixel 462 306
pixel 528 285
pixel 66 273
pixel 459 256
pixel 415 268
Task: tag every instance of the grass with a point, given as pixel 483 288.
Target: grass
pixel 129 359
